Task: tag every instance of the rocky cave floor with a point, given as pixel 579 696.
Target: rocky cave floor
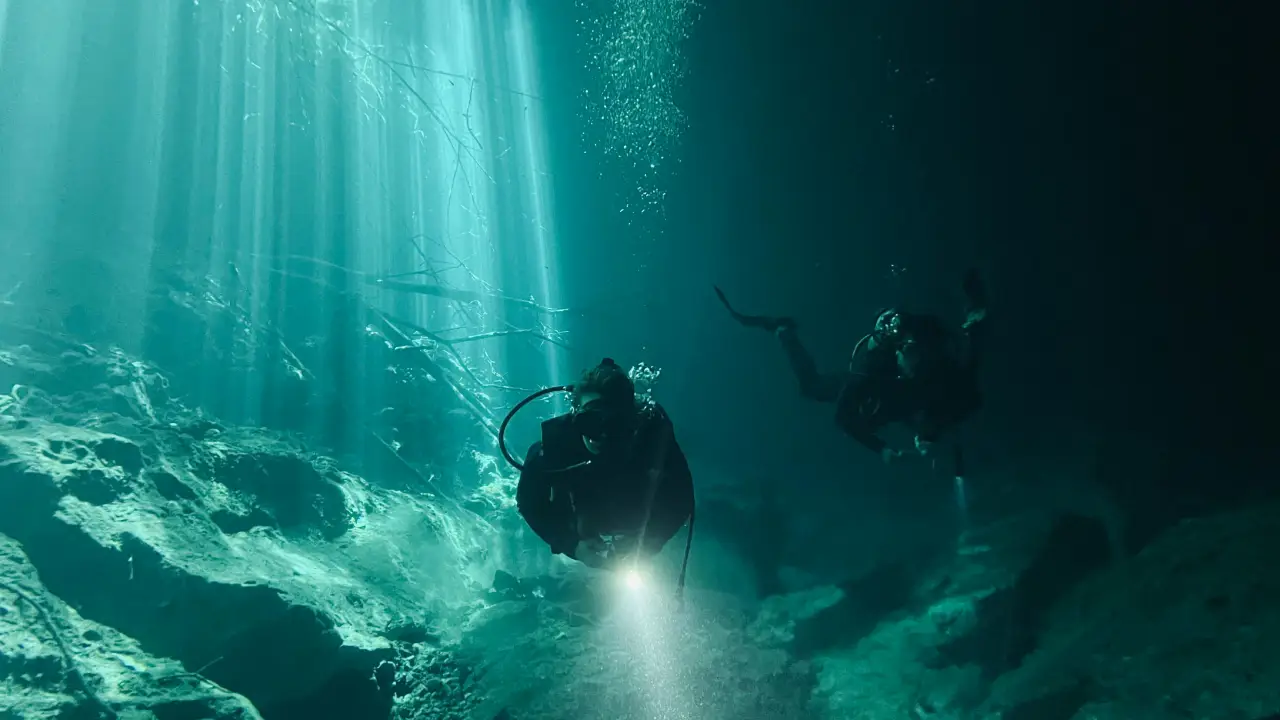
pixel 157 564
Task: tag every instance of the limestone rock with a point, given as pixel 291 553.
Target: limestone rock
pixel 959 627
pixel 55 663
pixel 1186 629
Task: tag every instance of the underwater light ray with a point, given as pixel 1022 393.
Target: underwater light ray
pixel 246 132
pixel 538 196
pixel 39 67
pixel 257 217
pixel 4 24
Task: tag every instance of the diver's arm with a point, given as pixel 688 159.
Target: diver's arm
pixel 813 384
pixel 849 411
pixel 673 499
pixel 857 400
pixel 547 515
pixel 864 435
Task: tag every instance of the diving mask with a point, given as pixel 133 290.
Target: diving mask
pixel 599 422
pixel 889 326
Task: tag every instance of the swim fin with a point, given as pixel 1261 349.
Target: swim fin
pixel 764 322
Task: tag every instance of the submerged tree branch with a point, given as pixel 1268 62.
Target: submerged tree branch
pixel 492 334
pixel 435 290
pixel 387 85
pixel 70 666
pixel 441 342
pixel 464 295
pixel 477 407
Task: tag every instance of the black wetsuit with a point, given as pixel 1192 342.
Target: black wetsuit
pixel 873 393
pixel 567 494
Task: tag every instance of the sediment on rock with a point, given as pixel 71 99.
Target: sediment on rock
pixel 56 663
pixel 286 657
pixel 1185 629
pixel 1010 620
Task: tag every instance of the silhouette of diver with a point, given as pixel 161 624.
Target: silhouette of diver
pixel 607 480
pixel 910 369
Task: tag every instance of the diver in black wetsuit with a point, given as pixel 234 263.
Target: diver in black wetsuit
pixel 608 479
pixel 910 369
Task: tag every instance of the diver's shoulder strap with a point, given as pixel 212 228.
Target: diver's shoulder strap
pixel 562 446
pixel 557 433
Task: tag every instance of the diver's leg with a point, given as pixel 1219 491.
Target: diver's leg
pixel 813 384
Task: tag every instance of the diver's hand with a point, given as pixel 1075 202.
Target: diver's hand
pixel 591 552
pixel 924 447
pixel 625 546
pixel 974 318
pixel 889 455
pixel 781 325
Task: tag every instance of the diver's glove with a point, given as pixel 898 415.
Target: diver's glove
pixel 975 293
pixel 923 449
pixel 782 324
pixel 592 552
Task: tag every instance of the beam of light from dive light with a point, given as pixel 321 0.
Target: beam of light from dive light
pixel 632 579
pixel 649 627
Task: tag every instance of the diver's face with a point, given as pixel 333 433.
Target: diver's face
pixel 602 427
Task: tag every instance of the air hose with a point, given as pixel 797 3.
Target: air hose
pixel 502 429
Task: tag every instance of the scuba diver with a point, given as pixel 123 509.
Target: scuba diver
pixel 607 481
pixel 910 369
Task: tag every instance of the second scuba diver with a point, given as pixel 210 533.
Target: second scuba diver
pixel 607 481
pixel 910 369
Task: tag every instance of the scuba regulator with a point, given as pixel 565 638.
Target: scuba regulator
pixel 888 330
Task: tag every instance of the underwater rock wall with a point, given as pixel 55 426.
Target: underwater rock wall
pixel 1188 628
pixel 56 664
pixel 236 560
pixel 1033 619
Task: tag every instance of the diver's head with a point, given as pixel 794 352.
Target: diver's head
pixel 889 329
pixel 892 332
pixel 604 407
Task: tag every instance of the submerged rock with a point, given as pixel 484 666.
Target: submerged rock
pixel 272 620
pixel 630 655
pixel 1186 629
pixel 55 663
pixel 239 556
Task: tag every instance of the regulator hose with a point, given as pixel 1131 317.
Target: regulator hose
pixel 502 429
